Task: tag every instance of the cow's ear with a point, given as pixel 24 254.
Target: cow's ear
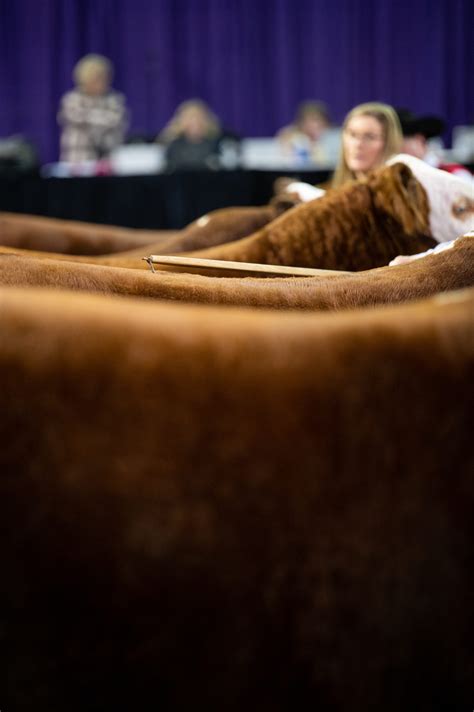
pixel 397 193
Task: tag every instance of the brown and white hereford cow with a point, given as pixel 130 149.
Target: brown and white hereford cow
pixel 329 228
pixel 357 227
pixel 451 199
pixel 391 195
pixel 232 509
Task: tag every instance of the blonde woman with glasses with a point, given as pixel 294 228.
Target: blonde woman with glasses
pixel 371 134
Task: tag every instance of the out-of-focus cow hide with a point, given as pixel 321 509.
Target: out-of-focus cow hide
pixel 454 269
pixel 208 507
pixel 34 232
pixel 78 238
pixel 359 226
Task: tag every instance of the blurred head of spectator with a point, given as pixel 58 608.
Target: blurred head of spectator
pixel 312 119
pixel 418 134
pixel 301 138
pixel 371 134
pixel 417 130
pixel 93 74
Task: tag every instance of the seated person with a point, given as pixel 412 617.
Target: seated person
pixel 417 130
pixel 93 116
pixel 302 138
pixel 193 138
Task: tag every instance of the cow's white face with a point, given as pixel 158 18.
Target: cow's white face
pixel 451 199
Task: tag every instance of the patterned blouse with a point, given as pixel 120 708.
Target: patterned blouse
pixel 92 125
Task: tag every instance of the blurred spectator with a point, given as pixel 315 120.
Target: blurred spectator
pixel 93 116
pixel 302 138
pixel 417 133
pixel 371 134
pixel 195 139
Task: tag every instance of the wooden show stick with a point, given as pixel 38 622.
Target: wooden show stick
pixel 190 264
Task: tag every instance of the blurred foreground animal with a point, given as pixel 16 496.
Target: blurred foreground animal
pixel 208 507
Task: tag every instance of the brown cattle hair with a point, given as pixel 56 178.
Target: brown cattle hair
pixel 202 505
pixel 357 227
pixel 80 238
pixel 448 270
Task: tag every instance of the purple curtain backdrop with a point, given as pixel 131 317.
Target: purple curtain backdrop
pixel 252 60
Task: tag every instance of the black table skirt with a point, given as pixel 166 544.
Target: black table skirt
pixel 157 202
